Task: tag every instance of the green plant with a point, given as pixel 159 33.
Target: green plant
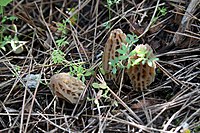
pixel 143 55
pixel 131 39
pixel 15 44
pixel 62 42
pixel 101 93
pixel 124 51
pixel 162 11
pixel 3 3
pixel 103 90
pixel 79 71
pixel 58 56
pixel 197 129
pixel 109 4
pixel 76 69
pixel 74 16
pixel 126 60
pixel 62 27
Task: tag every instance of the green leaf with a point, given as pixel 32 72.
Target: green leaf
pixel 124 47
pixel 105 95
pixel 141 54
pixel 137 61
pixel 102 71
pixel 163 11
pixel 154 59
pixel 143 62
pixel 132 53
pixel 88 73
pixel 120 65
pixel 131 39
pixel 96 101
pixel 61 42
pixel 58 56
pixel 95 85
pixel 1 9
pixel 11 18
pixel 114 62
pixel 75 67
pixel 129 64
pixel 80 69
pixel 13 45
pixel 121 51
pixel 103 86
pixel 115 103
pixel 149 62
pixel 114 70
pixel 4 2
pixel 83 79
pixel 124 57
pixel 4 19
pixel 70 69
pixel 107 25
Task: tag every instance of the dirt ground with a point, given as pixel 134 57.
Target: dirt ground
pixel 69 36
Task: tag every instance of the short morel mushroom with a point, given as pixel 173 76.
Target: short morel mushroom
pixel 66 87
pixel 142 74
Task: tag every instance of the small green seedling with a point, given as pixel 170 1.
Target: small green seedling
pixel 12 42
pixel 58 56
pixel 74 16
pixel 79 71
pixel 62 42
pixel 107 24
pixel 162 11
pixel 102 91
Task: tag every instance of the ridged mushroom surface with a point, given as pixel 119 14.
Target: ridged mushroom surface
pixel 114 42
pixel 142 75
pixel 66 87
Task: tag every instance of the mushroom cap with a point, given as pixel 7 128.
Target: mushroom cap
pixel 66 87
pixel 142 75
pixel 114 42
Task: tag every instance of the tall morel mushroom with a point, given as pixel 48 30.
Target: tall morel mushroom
pixel 114 42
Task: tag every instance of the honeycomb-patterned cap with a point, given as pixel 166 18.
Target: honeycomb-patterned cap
pixel 142 75
pixel 66 87
pixel 114 42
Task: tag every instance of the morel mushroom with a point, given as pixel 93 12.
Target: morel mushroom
pixel 66 87
pixel 114 42
pixel 142 74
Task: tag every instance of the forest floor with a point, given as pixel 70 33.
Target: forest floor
pixel 41 38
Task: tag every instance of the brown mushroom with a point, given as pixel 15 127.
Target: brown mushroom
pixel 66 87
pixel 114 42
pixel 142 75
